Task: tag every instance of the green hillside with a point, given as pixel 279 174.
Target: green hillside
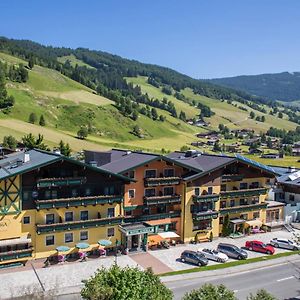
pixel 67 105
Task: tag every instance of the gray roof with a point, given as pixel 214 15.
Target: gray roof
pixel 290 178
pixel 201 162
pixel 15 164
pixel 122 160
pixel 18 164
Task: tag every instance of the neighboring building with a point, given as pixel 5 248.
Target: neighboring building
pixel 275 215
pixel 287 191
pixel 271 155
pixel 249 142
pixel 233 148
pixel 49 200
pixel 4 152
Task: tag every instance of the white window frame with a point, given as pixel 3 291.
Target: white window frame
pixel 52 235
pixel 72 215
pixel 150 170
pixel 28 218
pixel 83 211
pixel 49 215
pixel 107 215
pixel 72 237
pixel 87 235
pixel 111 228
pixel 133 194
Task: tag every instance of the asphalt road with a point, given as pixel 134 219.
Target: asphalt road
pixel 283 281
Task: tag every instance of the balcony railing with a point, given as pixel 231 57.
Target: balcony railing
pixel 161 181
pixel 169 199
pixel 206 198
pixel 242 208
pixel 45 228
pixel 57 182
pixel 16 254
pixel 78 201
pixel 232 177
pixel 158 216
pixel 243 193
pixel 205 215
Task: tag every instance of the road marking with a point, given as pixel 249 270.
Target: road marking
pixel 286 278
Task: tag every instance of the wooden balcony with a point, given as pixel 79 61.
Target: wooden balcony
pixel 16 254
pixel 232 177
pixel 206 198
pixel 78 201
pixel 169 199
pixel 92 223
pixel 205 215
pixel 243 193
pixel 57 182
pixel 161 181
pixel 242 208
pixel 159 216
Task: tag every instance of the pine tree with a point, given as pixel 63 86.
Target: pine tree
pixel 42 121
pixel 31 62
pixel 32 118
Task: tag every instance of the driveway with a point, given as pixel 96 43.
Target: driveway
pixel 170 257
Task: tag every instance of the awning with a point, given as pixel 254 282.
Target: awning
pixel 168 235
pixel 159 222
pixel 62 248
pixel 12 242
pixel 254 223
pixel 104 243
pixel 237 221
pixel 82 245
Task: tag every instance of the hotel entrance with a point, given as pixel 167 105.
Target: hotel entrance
pixel 135 236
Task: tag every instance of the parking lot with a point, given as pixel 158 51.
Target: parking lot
pixel 170 257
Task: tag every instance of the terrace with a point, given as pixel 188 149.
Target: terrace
pixel 157 181
pixel 242 208
pixel 205 215
pixel 243 193
pixel 168 199
pixel 206 198
pixel 16 254
pixel 57 182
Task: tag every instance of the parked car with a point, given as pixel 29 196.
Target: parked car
pixel 285 244
pixel 259 246
pixel 194 257
pixel 214 255
pixel 232 251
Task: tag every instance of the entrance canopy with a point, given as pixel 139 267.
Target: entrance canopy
pixel 237 221
pixel 168 235
pixel 137 228
pixel 254 223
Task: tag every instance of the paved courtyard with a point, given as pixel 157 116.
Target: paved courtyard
pixel 18 281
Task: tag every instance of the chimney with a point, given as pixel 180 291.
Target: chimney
pixel 26 157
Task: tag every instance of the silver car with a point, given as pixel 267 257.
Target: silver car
pixel 214 255
pixel 285 244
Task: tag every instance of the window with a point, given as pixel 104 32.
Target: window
pixel 161 209
pixel 110 232
pixel 244 216
pixel 131 194
pixel 49 240
pixel 223 187
pixel 69 216
pixel 69 237
pixel 109 190
pixel 150 173
pixel 232 203
pixel 88 191
pixel 243 185
pixel 168 191
pixel 26 220
pixel 74 193
pixel 128 213
pixel 210 190
pixel 111 212
pixel 255 185
pixel 50 219
pixel 169 173
pixel 25 196
pixel 223 204
pixel 131 174
pixel 292 197
pixel 47 194
pixel 54 194
pixel 243 201
pixel 84 215
pixel 149 192
pixel 197 191
pixel 221 220
pixel 84 235
pixel 256 215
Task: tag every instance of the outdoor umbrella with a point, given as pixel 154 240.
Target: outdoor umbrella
pixel 62 249
pixel 82 245
pixel 104 243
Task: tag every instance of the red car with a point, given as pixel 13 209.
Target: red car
pixel 259 246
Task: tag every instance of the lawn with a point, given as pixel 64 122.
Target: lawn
pixel 73 61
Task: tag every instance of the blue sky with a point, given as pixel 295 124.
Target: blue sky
pixel 203 39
